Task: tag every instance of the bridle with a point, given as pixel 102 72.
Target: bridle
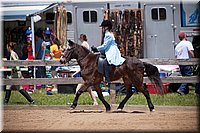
pixel 70 51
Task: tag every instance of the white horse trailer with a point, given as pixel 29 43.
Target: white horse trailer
pixel 162 23
pixel 87 17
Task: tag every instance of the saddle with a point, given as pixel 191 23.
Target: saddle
pixel 100 63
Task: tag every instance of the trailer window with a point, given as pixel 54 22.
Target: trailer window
pixel 162 13
pixel 154 14
pixel 158 13
pixel 90 16
pixel 86 16
pixel 69 17
pixel 93 16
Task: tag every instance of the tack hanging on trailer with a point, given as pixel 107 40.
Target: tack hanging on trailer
pixel 128 30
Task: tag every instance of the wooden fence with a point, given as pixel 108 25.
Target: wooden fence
pixel 33 81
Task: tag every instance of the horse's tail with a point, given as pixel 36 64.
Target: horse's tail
pixel 154 76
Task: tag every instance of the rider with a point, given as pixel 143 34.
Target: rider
pixel 109 47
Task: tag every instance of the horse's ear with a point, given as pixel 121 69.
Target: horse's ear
pixel 71 43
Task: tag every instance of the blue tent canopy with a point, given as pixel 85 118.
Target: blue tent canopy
pixel 20 12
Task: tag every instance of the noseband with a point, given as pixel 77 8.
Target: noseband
pixel 71 50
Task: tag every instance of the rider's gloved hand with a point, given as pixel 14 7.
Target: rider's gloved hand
pixel 94 49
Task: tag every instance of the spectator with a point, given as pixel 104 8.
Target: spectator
pixel 38 45
pixel 16 73
pixel 25 73
pixel 83 39
pixel 41 71
pixel 46 45
pixel 24 52
pixel 55 51
pixel 184 50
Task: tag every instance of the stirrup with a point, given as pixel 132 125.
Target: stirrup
pixel 105 82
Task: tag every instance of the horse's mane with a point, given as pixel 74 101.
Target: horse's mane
pixel 84 48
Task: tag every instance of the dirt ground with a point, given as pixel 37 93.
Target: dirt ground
pixel 94 118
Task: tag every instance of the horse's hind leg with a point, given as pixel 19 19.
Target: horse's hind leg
pixel 146 94
pixel 129 93
pixel 100 95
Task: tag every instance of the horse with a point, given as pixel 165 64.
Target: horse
pixel 131 71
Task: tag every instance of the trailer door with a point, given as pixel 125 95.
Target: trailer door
pixel 159 35
pixel 88 21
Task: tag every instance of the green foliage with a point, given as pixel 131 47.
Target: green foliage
pixel 41 98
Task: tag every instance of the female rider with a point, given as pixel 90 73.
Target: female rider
pixel 109 47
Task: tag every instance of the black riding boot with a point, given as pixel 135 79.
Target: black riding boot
pixel 108 69
pixel 26 95
pixel 7 96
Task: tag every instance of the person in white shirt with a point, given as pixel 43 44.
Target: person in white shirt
pixel 184 50
pixel 83 39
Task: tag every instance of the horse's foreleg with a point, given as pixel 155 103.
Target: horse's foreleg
pixel 78 93
pixel 146 94
pixel 129 93
pixel 100 95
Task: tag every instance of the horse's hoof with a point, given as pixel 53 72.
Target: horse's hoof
pixel 108 110
pixel 72 107
pixel 119 110
pixel 152 110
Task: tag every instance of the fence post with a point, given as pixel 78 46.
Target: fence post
pixel 112 93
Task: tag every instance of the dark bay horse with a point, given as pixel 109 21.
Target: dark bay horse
pixel 131 71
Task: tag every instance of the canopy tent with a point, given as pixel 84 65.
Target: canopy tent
pixel 13 13
pixel 20 12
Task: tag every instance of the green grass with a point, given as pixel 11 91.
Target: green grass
pixel 170 99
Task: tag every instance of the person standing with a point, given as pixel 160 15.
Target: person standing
pixel 55 52
pixel 16 73
pixel 83 39
pixel 38 45
pixel 184 50
pixel 41 71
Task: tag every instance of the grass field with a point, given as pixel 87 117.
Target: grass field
pixel 40 97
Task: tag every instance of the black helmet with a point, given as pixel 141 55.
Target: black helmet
pixel 106 23
pixel 71 43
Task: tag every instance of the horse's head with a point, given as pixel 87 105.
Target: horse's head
pixel 74 51
pixel 68 53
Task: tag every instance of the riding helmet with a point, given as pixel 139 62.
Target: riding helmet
pixel 70 43
pixel 106 23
